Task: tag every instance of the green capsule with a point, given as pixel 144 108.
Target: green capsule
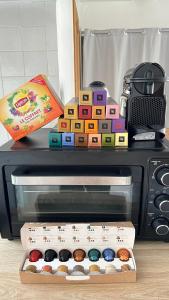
pixel 94 254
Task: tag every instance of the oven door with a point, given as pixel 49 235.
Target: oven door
pixel 75 194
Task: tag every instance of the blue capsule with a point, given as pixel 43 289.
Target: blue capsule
pixel 108 254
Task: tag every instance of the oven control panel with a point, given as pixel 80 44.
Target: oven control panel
pixel 158 198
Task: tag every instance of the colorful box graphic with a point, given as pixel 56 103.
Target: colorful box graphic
pixel 98 112
pixel 121 139
pixel 77 126
pixel 91 126
pixel 71 109
pixel 112 109
pixel 105 126
pixel 55 139
pixel 99 97
pixel 68 139
pixel 85 112
pixel 108 139
pixel 63 125
pixel 81 139
pixel 94 140
pixel 85 97
pixel 28 108
pixel 118 125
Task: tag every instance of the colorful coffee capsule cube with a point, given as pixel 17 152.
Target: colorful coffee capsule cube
pixel 121 139
pixel 91 126
pixel 78 270
pixel 118 125
pixel 81 139
pixel 85 97
pixel 109 269
pixel 35 255
pixel 94 254
pixel 94 140
pixel 62 270
pixel 85 112
pixel 112 109
pixel 46 269
pixel 64 255
pixel 50 255
pixel 108 139
pixel 99 97
pixel 108 254
pixel 31 268
pixel 79 255
pixel 105 126
pixel 98 112
pixel 68 139
pixel 55 139
pixel 63 125
pixel 123 254
pixel 71 109
pixel 94 270
pixel 125 268
pixel 77 126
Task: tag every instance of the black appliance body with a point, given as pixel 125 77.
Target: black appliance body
pixel 145 101
pixel 38 184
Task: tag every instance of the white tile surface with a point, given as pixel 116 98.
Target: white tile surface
pixel 50 7
pixel 51 37
pixel 12 83
pixel 32 13
pixel 52 58
pixel 10 39
pixel 33 38
pixel 4 136
pixel 54 81
pixel 12 63
pixel 1 88
pixel 35 63
pixel 9 13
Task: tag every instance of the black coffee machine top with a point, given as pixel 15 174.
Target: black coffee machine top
pixel 144 101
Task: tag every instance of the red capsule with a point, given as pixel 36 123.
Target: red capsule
pixel 35 255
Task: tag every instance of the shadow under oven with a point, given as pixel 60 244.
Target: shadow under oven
pixel 73 194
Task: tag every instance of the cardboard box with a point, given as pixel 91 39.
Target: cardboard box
pixel 77 126
pixel 112 109
pixel 85 112
pixel 43 236
pixel 94 140
pixel 28 108
pixel 68 139
pixel 108 139
pixel 85 97
pixel 91 126
pixel 55 139
pixel 118 125
pixel 99 96
pixel 63 125
pixel 71 109
pixel 105 126
pixel 98 112
pixel 81 139
pixel 121 139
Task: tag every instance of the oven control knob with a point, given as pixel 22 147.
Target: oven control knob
pixel 162 203
pixel 161 226
pixel 162 176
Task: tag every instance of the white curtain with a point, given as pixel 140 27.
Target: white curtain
pixel 107 55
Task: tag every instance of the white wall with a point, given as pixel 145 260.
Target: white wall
pixel 64 17
pixel 123 14
pixel 28 45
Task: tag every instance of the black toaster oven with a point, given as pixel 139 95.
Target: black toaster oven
pixel 38 184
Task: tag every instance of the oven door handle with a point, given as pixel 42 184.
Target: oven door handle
pixel 71 180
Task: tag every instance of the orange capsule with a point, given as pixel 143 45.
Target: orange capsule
pixel 79 255
pixel 47 269
pixel 123 254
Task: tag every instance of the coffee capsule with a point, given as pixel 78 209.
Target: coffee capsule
pixel 78 270
pixel 35 255
pixel 123 254
pixel 94 254
pixel 46 269
pixel 94 270
pixel 79 255
pixel 64 255
pixel 125 268
pixel 109 269
pixel 62 270
pixel 31 269
pixel 50 255
pixel 108 254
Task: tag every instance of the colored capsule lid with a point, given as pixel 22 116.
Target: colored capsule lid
pixel 64 255
pixel 94 254
pixel 108 254
pixel 35 255
pixel 50 255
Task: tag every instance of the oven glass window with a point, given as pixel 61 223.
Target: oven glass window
pixel 47 203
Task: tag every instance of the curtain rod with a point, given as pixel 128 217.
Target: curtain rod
pixel 108 32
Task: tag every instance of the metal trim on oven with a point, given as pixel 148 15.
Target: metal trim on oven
pixel 71 180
